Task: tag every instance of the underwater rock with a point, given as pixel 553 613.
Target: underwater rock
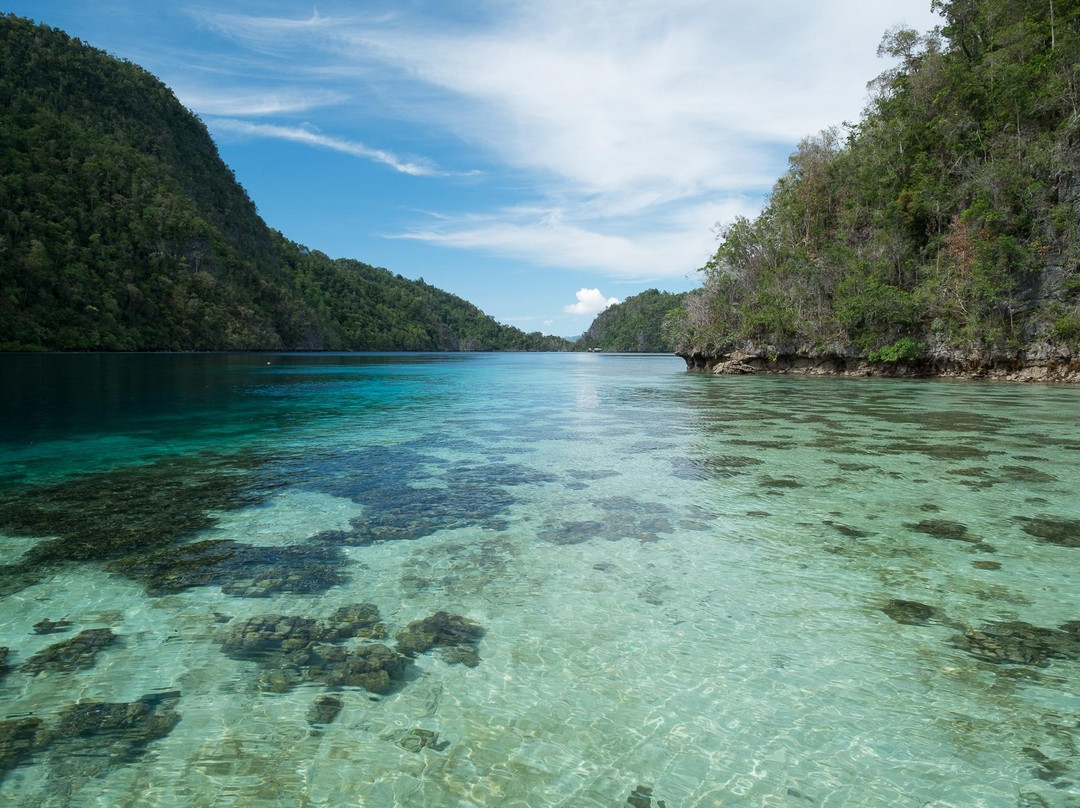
pixel 48 626
pixel 451 632
pixel 1029 799
pixel 1053 530
pixel 415 740
pixel 294 650
pixel 1019 643
pixel 324 709
pixel 4 667
pixel 19 739
pixel 911 612
pixel 242 570
pixel 78 653
pixel 986 565
pixel 642 797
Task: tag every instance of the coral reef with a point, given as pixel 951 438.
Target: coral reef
pixel 75 654
pixel 454 635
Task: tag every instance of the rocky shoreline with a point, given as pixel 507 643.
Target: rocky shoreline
pixel 1058 369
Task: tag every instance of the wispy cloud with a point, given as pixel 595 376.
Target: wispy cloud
pixel 312 138
pixel 671 245
pixel 624 122
pixel 257 103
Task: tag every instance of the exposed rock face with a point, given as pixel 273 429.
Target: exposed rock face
pixel 1030 366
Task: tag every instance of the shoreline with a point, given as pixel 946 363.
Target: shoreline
pixel 1007 370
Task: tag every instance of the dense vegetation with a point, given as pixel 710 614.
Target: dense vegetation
pixel 944 224
pixel 635 325
pixel 122 229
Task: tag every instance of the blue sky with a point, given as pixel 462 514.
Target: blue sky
pixel 539 159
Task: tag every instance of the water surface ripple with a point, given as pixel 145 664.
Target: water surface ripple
pixel 532 580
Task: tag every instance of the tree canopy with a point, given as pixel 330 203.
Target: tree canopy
pixel 641 323
pixel 943 223
pixel 122 229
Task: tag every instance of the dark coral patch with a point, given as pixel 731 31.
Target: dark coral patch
pixel 295 650
pixel 1053 530
pixel 943 529
pixel 457 636
pixel 131 509
pixel 78 653
pixel 911 612
pixel 1019 643
pixel 243 570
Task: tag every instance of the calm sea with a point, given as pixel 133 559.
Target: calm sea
pixel 532 580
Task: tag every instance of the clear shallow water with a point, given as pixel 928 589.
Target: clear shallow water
pixel 681 582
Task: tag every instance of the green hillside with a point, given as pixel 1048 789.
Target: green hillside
pixel 944 226
pixel 639 324
pixel 122 229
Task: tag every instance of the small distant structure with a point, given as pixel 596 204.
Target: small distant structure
pixel 594 350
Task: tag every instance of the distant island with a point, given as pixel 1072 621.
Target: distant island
pixel 121 229
pixel 940 234
pixel 643 323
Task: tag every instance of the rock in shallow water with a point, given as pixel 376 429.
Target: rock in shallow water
pixel 75 654
pixel 293 650
pixel 415 740
pixel 453 633
pixel 1053 530
pixel 911 612
pixel 242 570
pixel 324 709
pixel 1019 643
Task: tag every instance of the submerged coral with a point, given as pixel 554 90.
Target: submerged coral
pixel 456 636
pixel 1020 643
pixel 114 513
pixel 75 654
pixel 324 709
pixel 415 740
pixel 912 612
pixel 90 737
pixel 20 739
pixel 48 626
pixel 1053 530
pixel 293 650
pixel 239 569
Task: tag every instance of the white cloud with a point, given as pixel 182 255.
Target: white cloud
pixel 623 122
pixel 312 138
pixel 590 301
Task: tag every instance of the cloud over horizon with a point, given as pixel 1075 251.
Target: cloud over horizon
pixel 590 302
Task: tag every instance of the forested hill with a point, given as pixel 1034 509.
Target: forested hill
pixel 122 229
pixel 641 323
pixel 943 228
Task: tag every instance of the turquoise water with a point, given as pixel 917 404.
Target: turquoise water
pixel 739 591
